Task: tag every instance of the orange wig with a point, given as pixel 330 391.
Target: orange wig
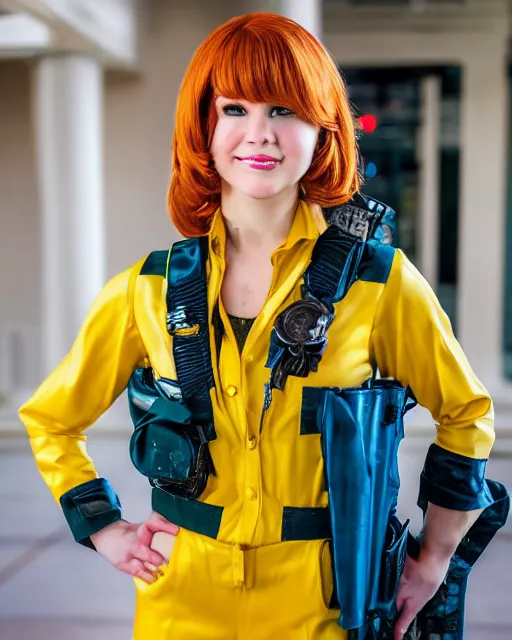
pixel 260 57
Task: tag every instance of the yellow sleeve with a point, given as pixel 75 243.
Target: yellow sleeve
pixel 85 384
pixel 413 342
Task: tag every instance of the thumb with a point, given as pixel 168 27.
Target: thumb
pixel 155 523
pixel 144 534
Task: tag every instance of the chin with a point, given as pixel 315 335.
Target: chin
pixel 263 192
pixel 262 195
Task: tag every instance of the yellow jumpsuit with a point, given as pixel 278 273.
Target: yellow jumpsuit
pixel 247 583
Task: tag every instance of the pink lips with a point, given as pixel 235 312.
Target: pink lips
pixel 261 162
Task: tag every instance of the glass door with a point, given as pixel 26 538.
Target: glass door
pixel 387 102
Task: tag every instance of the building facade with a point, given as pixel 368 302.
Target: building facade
pixel 87 96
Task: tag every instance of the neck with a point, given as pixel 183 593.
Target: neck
pixel 258 225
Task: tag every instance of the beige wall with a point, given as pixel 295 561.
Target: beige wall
pixel 138 127
pixel 19 220
pixel 138 123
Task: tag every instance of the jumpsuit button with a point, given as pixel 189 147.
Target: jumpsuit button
pixel 251 493
pixel 252 442
pixel 232 390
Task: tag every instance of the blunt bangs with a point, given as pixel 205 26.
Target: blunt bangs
pixel 257 64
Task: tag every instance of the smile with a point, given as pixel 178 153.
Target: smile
pixel 264 163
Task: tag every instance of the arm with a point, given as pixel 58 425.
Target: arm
pixel 412 341
pixel 443 531
pixel 81 388
pixel 421 578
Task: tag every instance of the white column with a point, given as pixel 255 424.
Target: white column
pixel 68 117
pixel 429 149
pixel 307 13
pixel 482 214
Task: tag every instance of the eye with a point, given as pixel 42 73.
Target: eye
pixel 281 111
pixel 233 110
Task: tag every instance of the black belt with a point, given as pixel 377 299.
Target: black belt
pixel 299 523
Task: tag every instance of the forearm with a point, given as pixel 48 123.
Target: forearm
pixel 443 531
pixel 61 458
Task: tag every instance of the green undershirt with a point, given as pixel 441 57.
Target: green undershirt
pixel 241 328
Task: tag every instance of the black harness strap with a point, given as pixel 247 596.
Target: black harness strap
pixel 187 322
pixel 333 267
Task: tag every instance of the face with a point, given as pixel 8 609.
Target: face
pixel 261 149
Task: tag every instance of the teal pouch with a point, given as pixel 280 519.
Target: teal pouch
pixel 166 445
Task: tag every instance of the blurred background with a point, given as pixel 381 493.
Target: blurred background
pixel 87 95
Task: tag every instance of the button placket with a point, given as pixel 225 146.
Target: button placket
pixel 252 489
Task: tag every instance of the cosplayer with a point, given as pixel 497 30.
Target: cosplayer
pixel 269 360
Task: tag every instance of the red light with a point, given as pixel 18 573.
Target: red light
pixel 368 123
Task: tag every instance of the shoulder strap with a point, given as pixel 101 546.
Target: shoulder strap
pixel 333 267
pixel 342 254
pixel 155 264
pixel 187 322
pixel 341 249
pixel 366 218
pixel 299 337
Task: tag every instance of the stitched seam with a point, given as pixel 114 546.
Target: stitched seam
pixel 380 302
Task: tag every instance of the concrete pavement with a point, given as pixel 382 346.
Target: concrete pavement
pixel 53 589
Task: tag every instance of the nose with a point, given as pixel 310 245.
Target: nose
pixel 260 129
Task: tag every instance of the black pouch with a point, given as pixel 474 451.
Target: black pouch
pixel 166 446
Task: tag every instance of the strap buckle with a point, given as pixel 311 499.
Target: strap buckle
pixel 181 323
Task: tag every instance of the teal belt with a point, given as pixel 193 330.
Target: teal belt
pixel 299 523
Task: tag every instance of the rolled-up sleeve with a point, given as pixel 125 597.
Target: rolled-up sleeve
pixel 85 384
pixel 412 341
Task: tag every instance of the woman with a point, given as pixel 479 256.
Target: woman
pixel 264 138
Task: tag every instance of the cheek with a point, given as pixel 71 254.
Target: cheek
pixel 298 141
pixel 225 139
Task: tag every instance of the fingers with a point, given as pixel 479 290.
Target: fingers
pixel 156 571
pixel 153 525
pixel 145 534
pixel 137 569
pixel 150 558
pixel 156 522
pixel 404 621
pixel 145 554
pixel 400 600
